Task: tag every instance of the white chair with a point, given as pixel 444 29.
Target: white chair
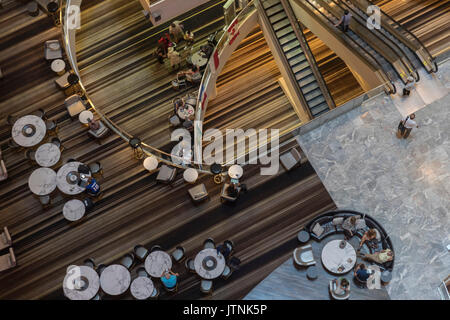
pixel 52 50
pixel 303 256
pixel 100 132
pixel 332 288
pixel 206 286
pixel 198 193
pixel 166 174
pixel 74 105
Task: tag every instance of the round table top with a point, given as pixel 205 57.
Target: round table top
pixel 186 112
pixel 157 262
pixel 47 155
pixel 235 171
pixel 64 178
pixel 81 283
pixel 208 264
pixel 58 65
pixel 190 175
pixel 150 163
pixel 42 181
pixel 142 288
pixel 216 168
pixel 85 115
pixel 333 257
pixel 198 59
pixel 74 210
pixel 28 131
pixel 115 279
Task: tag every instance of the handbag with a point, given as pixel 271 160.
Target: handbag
pixel 401 125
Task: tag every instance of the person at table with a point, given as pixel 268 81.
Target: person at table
pixel 92 187
pixel 94 125
pixel 192 75
pixel 176 31
pixel 169 279
pixel 177 104
pixel 3 171
pixel 206 51
pixel 189 37
pixel 341 287
pixel 174 57
pixel 370 235
pixel 349 226
pixel 361 272
pixel 224 250
pixel 380 257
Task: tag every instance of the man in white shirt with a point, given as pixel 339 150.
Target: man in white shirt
pixel 409 124
pixel 345 21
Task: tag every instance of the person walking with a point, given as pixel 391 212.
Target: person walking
pixel 345 21
pixel 408 125
pixel 176 31
pixel 408 86
pixel 174 57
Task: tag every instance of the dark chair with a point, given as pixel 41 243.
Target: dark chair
pixel 52 128
pixel 140 252
pixel 89 262
pixel 209 244
pixel 11 120
pixel 234 263
pixel 88 203
pixel 156 248
pixel 206 286
pixel 127 260
pixel 178 254
pixel 96 168
pixel 40 113
pixel 189 264
pixel 57 142
pixel 229 244
pixel 12 144
pixel 155 293
pixel 171 290
pixel 45 201
pixel 141 272
pixel 226 272
pixel 71 160
pixel 225 196
pixel 100 268
pixel 30 154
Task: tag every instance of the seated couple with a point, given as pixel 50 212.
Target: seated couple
pixel 192 75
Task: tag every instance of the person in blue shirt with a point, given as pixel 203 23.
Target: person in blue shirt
pixel 92 187
pixel 224 250
pixel 169 279
pixel 361 272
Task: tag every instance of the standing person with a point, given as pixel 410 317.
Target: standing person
pixel 164 42
pixel 409 124
pixel 174 57
pixel 408 86
pixel 345 21
pixel 176 31
pixel 3 171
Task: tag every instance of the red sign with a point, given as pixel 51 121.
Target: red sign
pixel 216 59
pixel 204 100
pixel 233 33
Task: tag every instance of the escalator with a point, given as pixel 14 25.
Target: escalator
pixel 390 56
pixel 289 36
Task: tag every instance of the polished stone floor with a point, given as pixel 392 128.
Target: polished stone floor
pixel 403 183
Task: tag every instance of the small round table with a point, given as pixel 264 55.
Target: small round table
pixel 42 181
pixel 186 112
pixel 303 236
pixel 215 168
pixel 85 115
pixel 115 279
pixel 74 210
pixel 59 66
pixel 157 262
pixel 47 155
pixel 67 178
pixel 208 264
pixel 198 59
pixel 81 283
pixel 386 276
pixel 311 272
pixel 235 171
pixel 28 131
pixel 336 259
pixel 142 288
pixel 190 175
pixel 150 163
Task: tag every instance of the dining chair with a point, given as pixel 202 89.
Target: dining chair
pixel 45 201
pixel 156 248
pixel 97 297
pixel 11 120
pixel 209 244
pixel 178 254
pixel 189 264
pixel 57 142
pixel 96 168
pixel 171 290
pixel 40 113
pixel 100 268
pixel 140 252
pixel 127 260
pixel 206 286
pixel 155 293
pixel 52 50
pixel 166 174
pixel 5 239
pixel 8 261
pixel 89 262
pixel 174 120
pixel 52 127
pixel 71 160
pixel 141 272
pixel 30 154
pixel 226 272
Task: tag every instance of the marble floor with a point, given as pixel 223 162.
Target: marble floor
pixel 403 183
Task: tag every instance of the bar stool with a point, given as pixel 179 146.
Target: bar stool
pixel 33 9
pixel 74 86
pixel 216 169
pixel 135 144
pixel 53 10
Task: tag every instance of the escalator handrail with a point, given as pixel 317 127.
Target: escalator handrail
pixel 374 61
pixel 405 30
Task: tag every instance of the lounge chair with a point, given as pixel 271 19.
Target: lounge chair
pixel 8 261
pixel 198 193
pixel 303 256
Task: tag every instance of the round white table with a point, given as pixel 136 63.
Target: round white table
pixel 338 260
pixel 186 113
pixel 198 59
pixel 42 181
pixel 208 264
pixel 190 175
pixel 47 155
pixel 85 115
pixel 74 210
pixel 115 279
pixel 28 131
pixel 142 288
pixel 67 178
pixel 58 66
pixel 81 283
pixel 235 171
pixel 150 163
pixel 157 263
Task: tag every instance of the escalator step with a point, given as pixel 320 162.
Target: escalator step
pixel 281 24
pixel 278 17
pixel 269 3
pixel 306 81
pixel 315 101
pixel 318 110
pixel 284 31
pixel 313 94
pixel 310 87
pixel 296 59
pixel 287 38
pixel 300 67
pixel 294 53
pixel 291 45
pixel 275 9
pixel 303 74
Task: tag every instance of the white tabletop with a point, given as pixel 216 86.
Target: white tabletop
pixel 190 175
pixel 142 288
pixel 157 263
pixel 74 210
pixel 58 65
pixel 115 279
pixel 47 155
pixel 150 163
pixel 42 181
pixel 198 60
pixel 28 131
pixel 333 257
pixel 209 264
pixel 81 283
pixel 186 112
pixel 62 179
pixel 85 115
pixel 235 171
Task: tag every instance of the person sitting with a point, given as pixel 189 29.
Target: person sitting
pixel 342 288
pixel 169 279
pixel 370 235
pixel 380 257
pixel 361 272
pixel 92 187
pixel 192 75
pixel 94 125
pixel 3 171
pixel 174 57
pixel 224 250
pixel 177 104
pixel 206 50
pixel 189 37
pixel 349 226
